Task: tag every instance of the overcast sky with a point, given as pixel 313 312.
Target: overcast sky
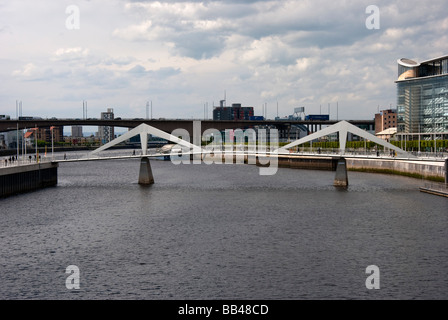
pixel 183 54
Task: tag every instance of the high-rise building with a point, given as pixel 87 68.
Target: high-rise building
pixel 77 132
pixel 422 96
pixel 107 133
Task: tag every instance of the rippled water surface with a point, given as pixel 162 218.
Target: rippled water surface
pixel 222 232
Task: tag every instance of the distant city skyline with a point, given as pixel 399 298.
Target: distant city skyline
pixel 180 55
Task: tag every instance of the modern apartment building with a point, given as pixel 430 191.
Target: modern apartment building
pixel 107 133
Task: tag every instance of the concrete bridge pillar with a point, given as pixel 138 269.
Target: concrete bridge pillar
pixel 145 177
pixel 197 140
pixel 446 171
pixel 341 178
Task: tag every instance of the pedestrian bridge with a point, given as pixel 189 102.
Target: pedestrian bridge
pixel 253 156
pixel 186 150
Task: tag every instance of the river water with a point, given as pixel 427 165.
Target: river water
pixel 222 232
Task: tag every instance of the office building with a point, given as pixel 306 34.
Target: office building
pixel 235 112
pixel 386 119
pixel 422 96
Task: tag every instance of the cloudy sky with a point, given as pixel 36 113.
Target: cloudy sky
pixel 183 54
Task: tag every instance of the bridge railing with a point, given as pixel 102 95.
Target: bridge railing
pixel 6 161
pixel 11 161
pixel 368 153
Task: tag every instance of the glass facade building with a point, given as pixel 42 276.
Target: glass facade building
pixel 422 96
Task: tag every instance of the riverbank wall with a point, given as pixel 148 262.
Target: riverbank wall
pixel 428 170
pixel 20 179
pixel 421 169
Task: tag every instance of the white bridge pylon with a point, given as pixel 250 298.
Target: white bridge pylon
pixel 143 130
pixel 343 127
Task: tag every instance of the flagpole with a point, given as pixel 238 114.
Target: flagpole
pixel 52 144
pixel 25 143
pixel 17 115
pixel 35 142
pixel 17 142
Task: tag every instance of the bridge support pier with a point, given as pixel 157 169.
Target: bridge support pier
pixel 446 171
pixel 145 177
pixel 341 178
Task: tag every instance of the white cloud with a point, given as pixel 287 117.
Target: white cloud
pixel 70 54
pixel 181 54
pixel 26 71
pixel 136 32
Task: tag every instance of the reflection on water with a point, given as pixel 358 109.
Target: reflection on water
pixel 222 232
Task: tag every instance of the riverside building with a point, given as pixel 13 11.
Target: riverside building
pixel 422 99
